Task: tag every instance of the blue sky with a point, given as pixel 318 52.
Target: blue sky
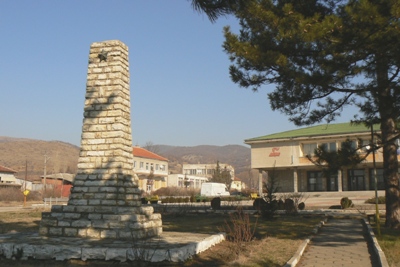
pixel 181 93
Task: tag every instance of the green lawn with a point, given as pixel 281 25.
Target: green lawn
pixel 274 244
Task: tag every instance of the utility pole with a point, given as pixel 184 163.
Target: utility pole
pixel 26 174
pixel 377 219
pixel 46 158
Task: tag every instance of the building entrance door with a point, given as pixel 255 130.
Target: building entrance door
pixel 332 184
pixel 356 180
pixel 315 181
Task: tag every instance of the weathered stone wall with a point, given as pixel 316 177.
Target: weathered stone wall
pixel 105 199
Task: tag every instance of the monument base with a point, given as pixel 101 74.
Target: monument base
pixel 101 222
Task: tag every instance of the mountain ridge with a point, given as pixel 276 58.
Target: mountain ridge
pixel 18 153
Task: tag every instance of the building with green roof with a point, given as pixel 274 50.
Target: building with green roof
pixel 286 154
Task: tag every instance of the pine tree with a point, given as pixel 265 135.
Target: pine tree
pixel 322 56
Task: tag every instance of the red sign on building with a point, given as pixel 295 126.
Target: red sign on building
pixel 275 152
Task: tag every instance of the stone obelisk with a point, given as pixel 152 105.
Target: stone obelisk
pixel 105 199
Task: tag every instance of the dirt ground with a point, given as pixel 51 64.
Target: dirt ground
pixel 273 245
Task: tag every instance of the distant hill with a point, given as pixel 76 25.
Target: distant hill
pixel 17 153
pixel 63 157
pixel 235 155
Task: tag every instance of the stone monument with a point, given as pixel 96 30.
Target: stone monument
pixel 105 199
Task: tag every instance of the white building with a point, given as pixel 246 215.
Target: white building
pixel 7 175
pixel 183 180
pixel 150 169
pixel 206 170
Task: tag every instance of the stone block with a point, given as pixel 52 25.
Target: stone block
pixel 94 202
pixel 81 223
pixel 155 216
pixel 43 230
pixel 125 234
pixel 82 232
pixel 55 231
pixel 93 233
pixel 78 202
pixel 77 189
pixel 49 222
pixel 93 253
pixel 116 254
pixel 55 208
pixel 108 189
pixel 68 208
pixel 101 224
pixel 109 202
pixel 64 252
pixel 84 209
pixel 94 216
pixel 104 209
pixel 63 224
pixel 117 225
pixel 70 231
pixel 73 216
pixel 44 252
pixel 111 217
pixel 108 234
pixel 131 218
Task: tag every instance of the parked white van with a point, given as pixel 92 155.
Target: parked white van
pixel 214 190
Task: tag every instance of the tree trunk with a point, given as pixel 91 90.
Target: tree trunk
pixel 390 164
pixel 389 135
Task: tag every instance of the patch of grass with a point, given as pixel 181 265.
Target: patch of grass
pixel 389 241
pixel 20 221
pixel 274 244
pixel 381 200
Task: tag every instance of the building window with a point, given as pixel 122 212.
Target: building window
pixel 315 181
pixel 147 166
pixel 309 149
pixel 157 166
pixel 379 178
pixel 134 164
pixel 329 147
pixel 141 165
pixel 356 180
pixel 353 145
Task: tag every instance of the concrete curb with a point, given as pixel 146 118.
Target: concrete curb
pixel 171 246
pixel 377 248
pixel 297 256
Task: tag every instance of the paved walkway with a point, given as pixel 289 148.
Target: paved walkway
pixel 340 242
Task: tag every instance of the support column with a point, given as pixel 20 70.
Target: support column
pixel 367 179
pixel 260 183
pixel 295 181
pixel 339 181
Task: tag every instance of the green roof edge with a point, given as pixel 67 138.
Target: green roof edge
pixel 318 130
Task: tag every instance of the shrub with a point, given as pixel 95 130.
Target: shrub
pixel 381 200
pixel 216 203
pixel 301 206
pixel 345 202
pixel 259 204
pixel 176 191
pixel 238 230
pixel 289 206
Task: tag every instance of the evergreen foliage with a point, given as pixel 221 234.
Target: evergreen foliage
pixel 221 176
pixel 323 56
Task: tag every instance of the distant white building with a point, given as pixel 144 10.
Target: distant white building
pixel 237 184
pixel 7 175
pixel 150 169
pixel 206 170
pixel 183 180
